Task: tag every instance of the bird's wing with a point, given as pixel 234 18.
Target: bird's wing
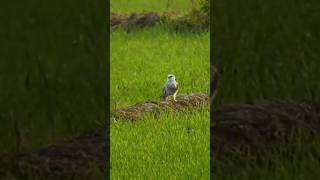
pixel 171 88
pixel 164 90
pixel 164 94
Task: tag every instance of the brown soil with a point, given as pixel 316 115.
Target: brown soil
pixel 195 20
pixel 84 156
pixel 134 20
pixel 78 158
pixel 235 129
pixel 253 129
pixel 183 103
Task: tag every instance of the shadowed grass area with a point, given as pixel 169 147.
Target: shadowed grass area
pixel 52 76
pixel 266 50
pixel 52 71
pixel 297 160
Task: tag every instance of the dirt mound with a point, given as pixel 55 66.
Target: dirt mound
pixel 177 21
pixel 243 129
pixel 134 20
pixel 248 129
pixel 84 156
pixel 188 102
pixel 79 158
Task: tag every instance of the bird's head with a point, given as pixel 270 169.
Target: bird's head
pixel 171 76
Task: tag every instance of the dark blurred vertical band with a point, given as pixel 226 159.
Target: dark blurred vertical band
pixel 212 61
pixel 107 99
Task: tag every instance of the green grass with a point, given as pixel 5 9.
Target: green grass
pixel 267 54
pixel 297 160
pixel 52 71
pixel 141 61
pixel 151 5
pixel 173 146
pixel 267 50
pixel 281 169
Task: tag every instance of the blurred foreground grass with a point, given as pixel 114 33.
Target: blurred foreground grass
pixel 52 70
pixel 268 50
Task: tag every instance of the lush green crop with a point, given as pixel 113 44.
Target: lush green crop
pixel 173 146
pixel 266 50
pixel 52 71
pixel 141 61
pixel 296 160
pixel 150 5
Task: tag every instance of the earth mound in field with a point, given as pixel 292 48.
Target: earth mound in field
pixel 183 103
pixel 256 128
pixel 134 20
pixel 242 129
pixel 194 21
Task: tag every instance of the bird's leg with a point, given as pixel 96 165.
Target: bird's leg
pixel 174 96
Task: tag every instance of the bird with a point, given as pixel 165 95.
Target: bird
pixel 170 88
pixel 214 82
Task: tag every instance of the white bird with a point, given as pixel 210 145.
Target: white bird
pixel 170 88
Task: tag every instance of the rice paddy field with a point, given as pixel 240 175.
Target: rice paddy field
pixel 141 61
pixel 173 146
pixel 269 50
pixel 52 73
pixel 53 83
pixel 151 5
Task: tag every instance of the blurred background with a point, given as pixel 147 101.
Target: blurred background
pixel 53 71
pixel 267 49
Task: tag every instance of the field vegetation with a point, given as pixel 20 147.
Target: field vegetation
pixel 52 73
pixel 268 50
pixel 151 5
pixel 173 145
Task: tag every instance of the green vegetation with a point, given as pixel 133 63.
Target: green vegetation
pixel 296 160
pixel 267 54
pixel 53 67
pixel 150 5
pixel 141 61
pixel 266 50
pixel 173 145
pixel 54 85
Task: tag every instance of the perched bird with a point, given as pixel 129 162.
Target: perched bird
pixel 214 82
pixel 170 88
